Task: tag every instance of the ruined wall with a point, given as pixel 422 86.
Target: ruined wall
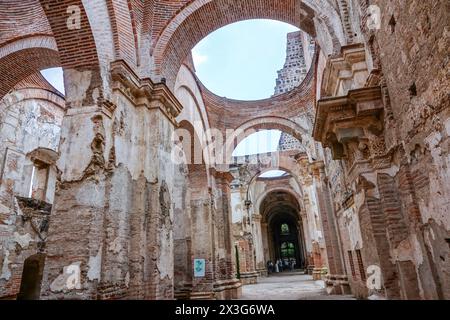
pixel 116 194
pixel 391 179
pixel 29 119
pixel 419 98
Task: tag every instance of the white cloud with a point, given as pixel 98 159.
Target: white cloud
pixel 55 77
pixel 199 58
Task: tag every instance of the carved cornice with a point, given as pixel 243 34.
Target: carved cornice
pixel 344 118
pixel 317 169
pixel 346 71
pixel 143 92
pixel 103 106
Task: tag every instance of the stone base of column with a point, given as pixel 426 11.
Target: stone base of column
pixel 249 277
pixel 228 289
pixel 310 269
pixel 337 284
pixel 206 295
pixel 184 292
pixel 317 273
pixel 262 272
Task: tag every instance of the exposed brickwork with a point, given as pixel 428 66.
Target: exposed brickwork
pixel 194 23
pixel 21 19
pixel 372 193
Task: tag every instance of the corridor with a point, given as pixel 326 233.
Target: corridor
pixel 289 286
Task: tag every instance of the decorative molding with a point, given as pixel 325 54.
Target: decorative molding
pixel 341 119
pixel 143 92
pixel 345 72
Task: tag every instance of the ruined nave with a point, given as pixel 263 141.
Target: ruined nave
pixel 126 186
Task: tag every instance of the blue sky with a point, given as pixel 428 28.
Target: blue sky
pixel 239 61
pixel 55 77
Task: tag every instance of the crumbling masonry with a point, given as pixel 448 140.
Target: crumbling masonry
pixel 95 205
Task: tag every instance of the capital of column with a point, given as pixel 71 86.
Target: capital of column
pixel 346 71
pixel 222 176
pixel 317 168
pixel 144 92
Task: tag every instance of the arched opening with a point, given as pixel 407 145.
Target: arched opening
pixel 253 59
pixel 263 141
pixel 284 241
pixel 30 286
pixel 262 135
pixel 217 14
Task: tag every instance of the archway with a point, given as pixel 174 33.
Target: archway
pixel 286 242
pixel 30 286
pixel 259 124
pixel 283 236
pixel 177 38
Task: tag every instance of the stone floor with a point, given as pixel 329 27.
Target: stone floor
pixel 289 286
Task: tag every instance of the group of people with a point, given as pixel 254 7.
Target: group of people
pixel 281 265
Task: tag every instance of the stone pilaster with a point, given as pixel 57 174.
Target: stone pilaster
pixel 226 285
pixel 112 233
pixel 334 258
pixel 259 249
pixel 203 248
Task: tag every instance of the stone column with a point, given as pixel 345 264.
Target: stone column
pixel 226 285
pixel 334 259
pixel 351 126
pixel 259 248
pixel 111 230
pixel 203 247
pixel 308 214
pixel 307 237
pixel 182 234
pixel 265 241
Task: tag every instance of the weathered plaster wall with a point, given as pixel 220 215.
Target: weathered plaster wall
pixel 27 122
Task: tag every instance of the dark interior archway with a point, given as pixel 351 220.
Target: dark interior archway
pixel 281 211
pixel 30 286
pixel 287 244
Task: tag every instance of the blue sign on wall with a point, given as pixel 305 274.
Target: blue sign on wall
pixel 199 268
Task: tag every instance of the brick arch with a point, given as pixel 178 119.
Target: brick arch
pixel 32 94
pixel 77 47
pixel 20 19
pixel 262 163
pixel 24 57
pixel 262 197
pixel 201 17
pixel 187 82
pixel 286 167
pixel 123 19
pixel 47 20
pixel 258 124
pixel 197 109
